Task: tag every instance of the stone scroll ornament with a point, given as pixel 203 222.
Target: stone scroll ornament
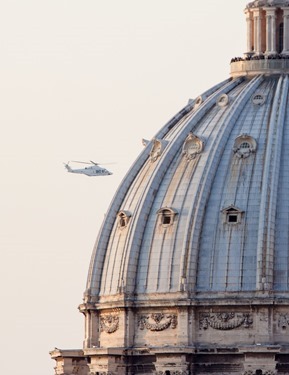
pixel 109 323
pixel 157 322
pixel 225 321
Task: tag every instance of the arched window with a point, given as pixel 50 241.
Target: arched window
pixel 244 146
pixel 167 216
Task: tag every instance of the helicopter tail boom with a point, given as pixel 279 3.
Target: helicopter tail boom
pixel 67 167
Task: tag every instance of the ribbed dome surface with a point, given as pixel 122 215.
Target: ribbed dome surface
pixel 228 203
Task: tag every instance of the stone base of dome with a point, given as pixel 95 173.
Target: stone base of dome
pixel 255 67
pixel 216 338
pixel 213 359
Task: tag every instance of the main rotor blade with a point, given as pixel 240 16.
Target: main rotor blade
pixel 101 163
pixel 80 162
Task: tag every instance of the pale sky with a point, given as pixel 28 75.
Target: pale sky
pixel 84 80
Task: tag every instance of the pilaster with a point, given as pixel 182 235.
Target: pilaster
pixel 91 338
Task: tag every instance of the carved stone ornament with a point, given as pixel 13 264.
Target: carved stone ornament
pixel 283 321
pixel 225 321
pixel 157 149
pixel 109 323
pixel 192 147
pixel 157 321
pixel 244 146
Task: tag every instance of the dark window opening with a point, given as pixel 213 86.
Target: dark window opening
pixel 244 145
pixel 232 218
pixel 281 43
pixel 167 219
pixel 258 372
pixel 168 372
pixel 122 221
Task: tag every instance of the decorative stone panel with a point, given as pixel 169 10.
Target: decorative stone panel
pixel 225 320
pixel 283 320
pixel 109 323
pixel 157 321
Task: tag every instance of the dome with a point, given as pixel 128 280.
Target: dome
pixel 206 202
pixel 190 270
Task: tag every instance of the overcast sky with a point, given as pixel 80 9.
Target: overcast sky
pixel 84 80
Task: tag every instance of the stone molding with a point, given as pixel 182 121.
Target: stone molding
pixel 172 372
pixel 225 320
pixel 157 321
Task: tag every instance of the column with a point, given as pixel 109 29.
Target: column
pixel 257 32
pixel 250 42
pixel 286 31
pixel 268 34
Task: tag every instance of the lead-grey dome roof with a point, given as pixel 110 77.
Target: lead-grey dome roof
pixel 205 207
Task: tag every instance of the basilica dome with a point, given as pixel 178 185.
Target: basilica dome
pixel 190 271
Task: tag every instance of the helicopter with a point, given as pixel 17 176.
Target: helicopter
pixel 92 171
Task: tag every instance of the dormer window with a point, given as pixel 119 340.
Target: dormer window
pixel 123 219
pixel 193 146
pixel 244 146
pixel 232 218
pixel 157 149
pixel 232 215
pixel 258 99
pixel 166 216
pixel 198 102
pixel 223 100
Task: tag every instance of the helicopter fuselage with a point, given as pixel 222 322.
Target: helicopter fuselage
pixel 89 171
